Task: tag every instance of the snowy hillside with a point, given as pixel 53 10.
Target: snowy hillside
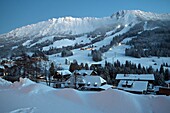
pixel 115 53
pixel 29 97
pixel 75 34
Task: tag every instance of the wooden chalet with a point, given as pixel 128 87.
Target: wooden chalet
pixel 136 83
pixel 94 83
pixel 62 75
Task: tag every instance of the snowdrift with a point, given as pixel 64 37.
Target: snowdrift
pixel 29 97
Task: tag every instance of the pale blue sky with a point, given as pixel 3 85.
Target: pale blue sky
pixel 17 13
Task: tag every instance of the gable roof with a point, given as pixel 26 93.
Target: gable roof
pixel 136 86
pixel 93 80
pixel 144 77
pixel 84 72
pixel 64 72
pixel 88 81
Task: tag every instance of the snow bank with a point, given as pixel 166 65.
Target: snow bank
pixel 23 97
pixel 4 83
pixel 27 86
pixel 23 110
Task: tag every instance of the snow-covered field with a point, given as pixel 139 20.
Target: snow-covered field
pixel 29 97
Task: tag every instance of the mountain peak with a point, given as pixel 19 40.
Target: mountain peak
pixel 140 14
pixel 52 20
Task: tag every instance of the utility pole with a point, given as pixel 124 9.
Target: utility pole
pixel 75 79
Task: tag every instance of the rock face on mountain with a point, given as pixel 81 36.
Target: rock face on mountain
pixel 44 35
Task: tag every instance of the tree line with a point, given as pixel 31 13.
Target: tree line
pixel 150 43
pixel 109 71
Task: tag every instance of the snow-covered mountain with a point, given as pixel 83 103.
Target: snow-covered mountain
pixel 74 26
pixel 69 31
pixel 60 26
pixel 130 15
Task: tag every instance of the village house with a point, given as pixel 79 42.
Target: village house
pixel 89 82
pixel 81 82
pixel 62 75
pixel 136 83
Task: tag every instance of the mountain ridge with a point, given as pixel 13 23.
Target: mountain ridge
pixel 73 26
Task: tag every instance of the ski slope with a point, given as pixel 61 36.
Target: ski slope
pixel 115 53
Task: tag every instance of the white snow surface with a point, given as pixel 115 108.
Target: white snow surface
pixel 130 14
pixel 23 110
pixel 59 44
pixel 26 97
pixel 63 26
pixel 14 47
pixel 27 43
pixel 68 42
pixel 115 53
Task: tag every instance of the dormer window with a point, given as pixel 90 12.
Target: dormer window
pixel 127 84
pixel 95 84
pixel 88 84
pixel 68 82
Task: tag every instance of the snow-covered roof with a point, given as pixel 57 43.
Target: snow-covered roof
pixel 64 72
pixel 136 86
pixel 167 68
pixel 8 64
pixel 88 81
pixel 106 86
pixel 167 82
pixel 2 67
pixel 135 77
pixel 156 88
pixel 82 72
pixel 94 81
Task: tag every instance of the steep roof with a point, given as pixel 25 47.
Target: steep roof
pixel 64 72
pixel 88 81
pixel 136 86
pixel 144 77
pixel 82 72
pixel 94 80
